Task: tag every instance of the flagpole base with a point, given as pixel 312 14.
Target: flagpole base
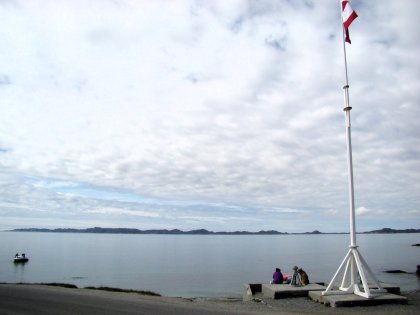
pixel 355 277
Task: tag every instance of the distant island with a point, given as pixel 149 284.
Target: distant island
pixel 392 231
pixel 199 231
pixel 153 231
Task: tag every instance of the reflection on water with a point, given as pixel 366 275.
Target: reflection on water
pixel 19 272
pixel 178 265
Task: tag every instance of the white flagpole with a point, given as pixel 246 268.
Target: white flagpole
pixel 347 110
pixel 353 265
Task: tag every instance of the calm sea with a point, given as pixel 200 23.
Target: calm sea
pixel 197 265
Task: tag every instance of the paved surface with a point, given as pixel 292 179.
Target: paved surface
pixel 37 299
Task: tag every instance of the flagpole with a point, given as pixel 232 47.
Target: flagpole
pixel 353 265
pixel 347 110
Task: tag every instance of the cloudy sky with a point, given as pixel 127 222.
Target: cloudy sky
pixel 224 115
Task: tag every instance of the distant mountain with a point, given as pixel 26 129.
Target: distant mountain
pixel 197 232
pixel 137 231
pixel 393 231
pixel 314 232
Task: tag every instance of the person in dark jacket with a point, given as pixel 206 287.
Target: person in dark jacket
pixel 277 277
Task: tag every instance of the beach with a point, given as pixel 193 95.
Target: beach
pixel 44 299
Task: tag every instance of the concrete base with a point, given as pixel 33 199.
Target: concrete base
pixel 281 291
pixel 251 291
pixel 341 299
pixel 390 288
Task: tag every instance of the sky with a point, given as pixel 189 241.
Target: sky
pixel 223 115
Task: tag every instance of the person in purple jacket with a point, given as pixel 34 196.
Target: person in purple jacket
pixel 277 277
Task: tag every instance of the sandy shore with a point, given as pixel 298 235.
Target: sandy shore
pixel 41 299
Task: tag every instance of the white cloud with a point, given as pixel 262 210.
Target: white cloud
pixel 362 211
pixel 119 211
pixel 413 212
pixel 284 211
pixel 219 219
pixel 213 104
pixel 331 212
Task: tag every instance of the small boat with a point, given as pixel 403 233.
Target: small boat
pixel 20 259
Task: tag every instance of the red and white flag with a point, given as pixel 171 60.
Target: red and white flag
pixel 347 15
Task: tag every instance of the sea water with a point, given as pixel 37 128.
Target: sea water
pixel 197 265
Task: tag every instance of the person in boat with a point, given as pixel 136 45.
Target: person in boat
pixel 277 277
pixel 303 276
pixel 17 255
pixel 23 255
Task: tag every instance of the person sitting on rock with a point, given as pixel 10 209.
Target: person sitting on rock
pixel 277 277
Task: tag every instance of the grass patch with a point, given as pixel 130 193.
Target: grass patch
pixel 53 284
pixel 64 285
pixel 142 292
